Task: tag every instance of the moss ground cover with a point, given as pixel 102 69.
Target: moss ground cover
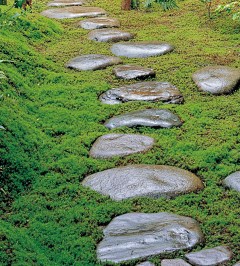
pixel 52 116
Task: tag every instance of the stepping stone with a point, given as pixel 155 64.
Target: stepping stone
pixel 66 3
pixel 73 12
pixel 109 35
pixel 145 118
pixel 111 145
pixel 150 91
pixel 174 262
pixel 151 181
pixel 237 264
pixel 92 62
pixel 99 23
pixel 217 79
pixel 141 49
pixel 233 181
pixel 210 257
pixel 146 263
pixel 133 72
pixel 141 235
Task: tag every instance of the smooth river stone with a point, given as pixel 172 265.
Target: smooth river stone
pixel 109 35
pixel 111 145
pixel 141 235
pixel 174 262
pixel 141 49
pixel 145 118
pixel 133 72
pixel 73 12
pixel 233 181
pixel 67 3
pixel 210 257
pixel 150 91
pixel 237 264
pixel 146 263
pixel 99 23
pixel 151 181
pixel 92 62
pixel 217 79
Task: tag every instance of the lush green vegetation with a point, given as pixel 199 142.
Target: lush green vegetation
pixel 52 115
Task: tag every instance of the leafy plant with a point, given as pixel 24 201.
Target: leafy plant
pixel 228 8
pixel 166 4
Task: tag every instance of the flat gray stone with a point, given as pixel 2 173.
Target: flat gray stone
pixel 111 145
pixel 133 72
pixel 109 35
pixel 151 181
pixel 73 12
pixel 150 91
pixel 237 264
pixel 66 3
pixel 92 62
pixel 141 49
pixel 142 235
pixel 174 262
pixel 210 257
pixel 146 263
pixel 233 181
pixel 145 118
pixel 99 23
pixel 217 79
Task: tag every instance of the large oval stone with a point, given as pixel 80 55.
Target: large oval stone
pixel 152 181
pixel 67 3
pixel 73 12
pixel 145 118
pixel 133 72
pixel 150 91
pixel 217 79
pixel 210 257
pixel 109 35
pixel 141 235
pixel 92 62
pixel 233 181
pixel 99 23
pixel 111 145
pixel 141 49
pixel 174 262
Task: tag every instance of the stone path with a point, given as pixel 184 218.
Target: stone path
pixel 140 235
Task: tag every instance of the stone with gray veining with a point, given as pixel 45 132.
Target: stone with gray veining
pixel 73 12
pixel 151 181
pixel 111 145
pixel 210 257
pixel 133 72
pixel 146 263
pixel 141 49
pixel 109 35
pixel 99 23
pixel 217 79
pixel 92 62
pixel 233 181
pixel 174 262
pixel 142 235
pixel 145 118
pixel 66 3
pixel 150 91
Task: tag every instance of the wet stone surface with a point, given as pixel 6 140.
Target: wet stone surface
pixel 109 35
pixel 56 3
pixel 141 49
pixel 73 12
pixel 111 145
pixel 141 235
pixel 133 72
pixel 174 262
pixel 148 118
pixel 92 62
pixel 150 91
pixel 233 181
pixel 151 181
pixel 99 23
pixel 210 257
pixel 217 79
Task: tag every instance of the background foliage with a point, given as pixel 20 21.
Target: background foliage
pixel 52 115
